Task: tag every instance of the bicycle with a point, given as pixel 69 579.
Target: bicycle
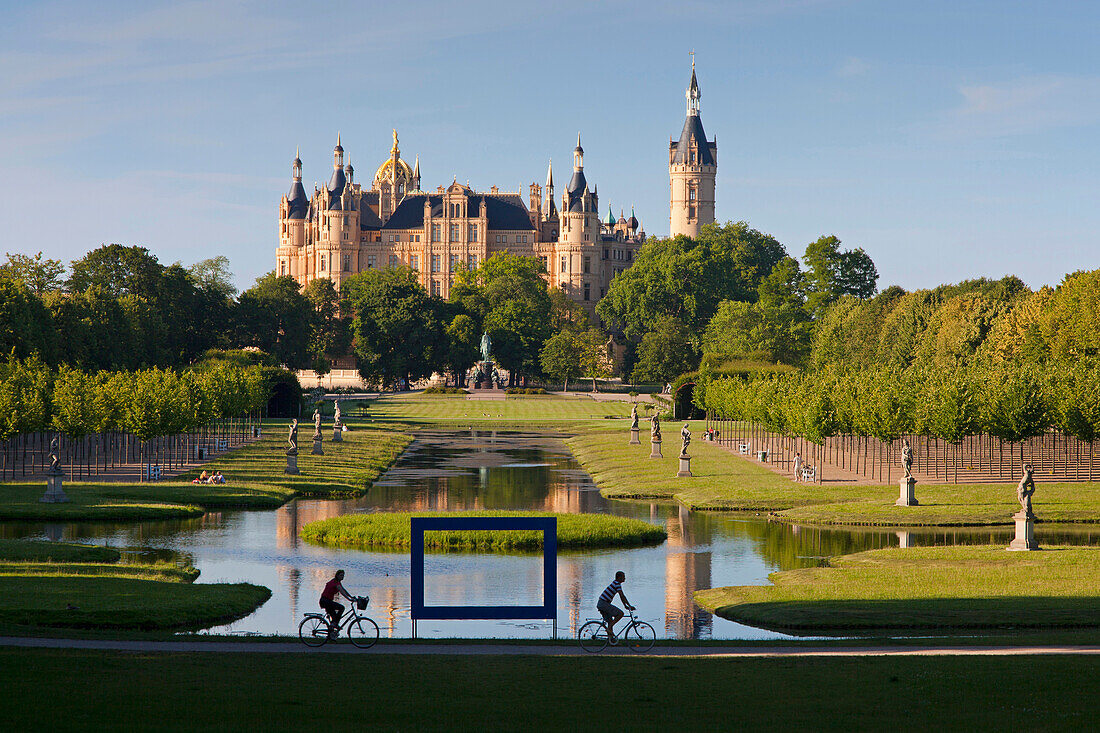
pixel 316 629
pixel 638 635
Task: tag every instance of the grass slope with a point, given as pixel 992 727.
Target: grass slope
pixel 924 588
pixel 720 480
pixel 957 505
pixel 248 692
pixel 45 551
pixel 391 529
pixel 347 468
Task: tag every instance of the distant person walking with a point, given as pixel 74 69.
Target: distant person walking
pixel 797 467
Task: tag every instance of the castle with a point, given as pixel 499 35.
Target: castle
pixel 343 228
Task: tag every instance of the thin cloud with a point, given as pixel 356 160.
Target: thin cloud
pixel 1025 105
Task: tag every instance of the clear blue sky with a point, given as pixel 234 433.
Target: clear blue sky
pixel 948 139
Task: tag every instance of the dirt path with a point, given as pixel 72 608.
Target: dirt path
pixel 281 647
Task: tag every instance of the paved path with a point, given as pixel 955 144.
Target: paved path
pixel 282 647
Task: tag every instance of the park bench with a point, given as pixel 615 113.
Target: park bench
pixel 809 473
pixel 743 448
pixel 221 444
pixel 152 472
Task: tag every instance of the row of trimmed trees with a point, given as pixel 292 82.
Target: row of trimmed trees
pixel 134 416
pixel 1006 404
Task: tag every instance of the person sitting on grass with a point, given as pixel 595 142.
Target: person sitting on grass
pixel 328 601
pixel 217 478
pixel 201 479
pixel 610 612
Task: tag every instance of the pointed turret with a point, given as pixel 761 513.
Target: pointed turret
pixel 339 180
pixel 692 167
pixel 611 221
pixel 693 94
pixel 296 199
pixel 577 183
pixel 416 174
pixel 349 171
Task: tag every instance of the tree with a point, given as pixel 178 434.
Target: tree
pixel 275 317
pixel 1071 322
pixel 213 276
pixel 665 352
pixel 595 359
pixel 26 326
pixel 94 329
pixel 687 278
pixel 118 269
pixel 397 332
pixel 776 327
pixel 561 357
pixel 463 343
pixel 39 275
pixel 832 273
pixel 328 332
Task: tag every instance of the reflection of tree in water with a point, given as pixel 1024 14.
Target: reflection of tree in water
pixel 790 546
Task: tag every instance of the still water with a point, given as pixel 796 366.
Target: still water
pixel 454 470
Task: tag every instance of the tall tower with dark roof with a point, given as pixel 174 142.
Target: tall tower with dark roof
pixel 692 166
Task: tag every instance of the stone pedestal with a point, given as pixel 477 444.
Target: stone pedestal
pixel 685 467
pixel 656 449
pixel 318 450
pixel 337 434
pixel 1025 532
pixel 907 497
pixel 54 493
pixel 634 437
pixel 291 464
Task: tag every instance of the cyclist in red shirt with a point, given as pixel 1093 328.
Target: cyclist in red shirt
pixel 328 600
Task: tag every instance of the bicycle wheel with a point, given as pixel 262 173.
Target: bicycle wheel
pixel 363 632
pixel 592 637
pixel 313 631
pixel 639 637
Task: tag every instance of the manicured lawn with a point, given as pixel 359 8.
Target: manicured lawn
pixel 972 587
pixel 456 409
pixel 961 504
pixel 119 596
pixel 255 481
pixel 44 551
pixel 720 480
pixel 347 468
pixel 248 692
pixel 391 529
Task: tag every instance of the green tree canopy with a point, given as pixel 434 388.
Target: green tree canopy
pixel 832 273
pixel 275 317
pixel 38 274
pixel 26 326
pixel 665 353
pixel 118 269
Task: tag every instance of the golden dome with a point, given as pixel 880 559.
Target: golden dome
pixel 385 171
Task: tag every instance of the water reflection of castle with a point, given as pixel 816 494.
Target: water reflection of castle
pixel 686 570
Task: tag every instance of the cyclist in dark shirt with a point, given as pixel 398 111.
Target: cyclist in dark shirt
pixel 610 612
pixel 328 600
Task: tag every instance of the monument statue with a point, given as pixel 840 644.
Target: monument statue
pixel 336 412
pixel 634 417
pixel 292 439
pixel 907 458
pixel 685 439
pixel 1025 490
pixel 655 429
pixel 55 457
pixel 316 424
pixel 486 346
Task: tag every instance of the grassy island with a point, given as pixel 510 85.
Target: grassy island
pixel 391 529
pixel 962 587
pixel 46 551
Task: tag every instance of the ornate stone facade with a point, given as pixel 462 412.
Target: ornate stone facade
pixel 344 228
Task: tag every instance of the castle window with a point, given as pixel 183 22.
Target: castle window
pixel 414 262
pixel 437 263
pixel 587 269
pixel 586 236
pixel 393 237
pixel 345 221
pixel 370 262
pixel 630 255
pixel 347 263
pixel 553 233
pixel 605 253
pixel 436 232
pixel 546 263
pixel 454 232
pixel 692 156
pixel 471 262
pixel 435 288
pixel 472 233
pixel 563 265
pixel 454 263
pixel 282 267
pixel 395 261
pixel 587 292
pixel 416 238
pixel 602 292
pixel 691 212
pixel 691 194
pixel 321 263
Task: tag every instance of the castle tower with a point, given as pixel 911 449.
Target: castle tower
pixel 692 165
pixel 293 210
pixel 580 236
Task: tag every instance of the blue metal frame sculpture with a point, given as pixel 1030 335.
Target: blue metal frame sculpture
pixel 549 528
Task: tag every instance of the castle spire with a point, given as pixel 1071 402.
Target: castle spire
pixel 693 93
